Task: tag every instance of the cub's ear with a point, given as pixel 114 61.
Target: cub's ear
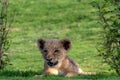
pixel 41 43
pixel 66 44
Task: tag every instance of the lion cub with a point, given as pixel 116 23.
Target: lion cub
pixel 56 61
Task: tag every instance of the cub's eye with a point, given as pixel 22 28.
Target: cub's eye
pixel 45 51
pixel 56 51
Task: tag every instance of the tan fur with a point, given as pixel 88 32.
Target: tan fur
pixel 56 61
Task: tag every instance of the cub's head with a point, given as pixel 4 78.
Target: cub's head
pixel 53 50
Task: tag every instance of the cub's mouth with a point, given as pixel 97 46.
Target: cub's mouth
pixel 52 63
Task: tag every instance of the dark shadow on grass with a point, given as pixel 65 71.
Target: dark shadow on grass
pixel 84 77
pixel 18 73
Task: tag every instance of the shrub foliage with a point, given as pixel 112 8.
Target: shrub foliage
pixel 109 14
pixel 4 30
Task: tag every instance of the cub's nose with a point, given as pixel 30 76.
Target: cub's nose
pixel 49 59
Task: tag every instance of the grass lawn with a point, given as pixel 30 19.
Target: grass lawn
pixel 72 19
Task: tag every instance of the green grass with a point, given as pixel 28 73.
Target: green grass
pixel 72 19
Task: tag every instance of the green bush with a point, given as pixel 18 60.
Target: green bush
pixel 4 30
pixel 109 14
